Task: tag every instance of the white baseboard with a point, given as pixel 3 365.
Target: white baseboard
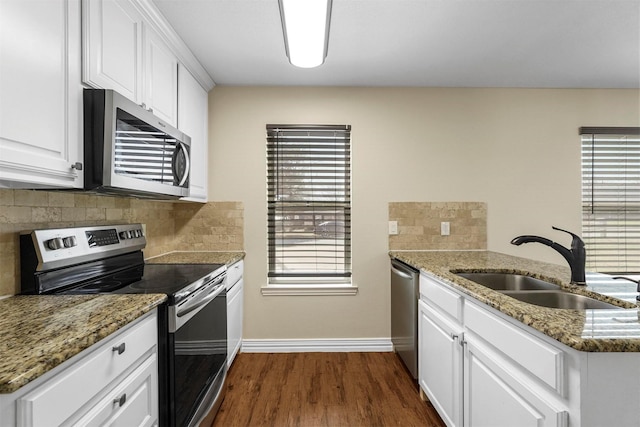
pixel 336 345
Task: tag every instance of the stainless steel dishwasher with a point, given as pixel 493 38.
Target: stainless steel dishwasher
pixel 404 314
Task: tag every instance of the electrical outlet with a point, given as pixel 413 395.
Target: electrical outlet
pixel 393 227
pixel 445 229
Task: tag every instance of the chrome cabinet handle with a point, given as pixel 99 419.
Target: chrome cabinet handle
pixel 120 348
pixel 454 337
pixel 121 400
pixel 77 166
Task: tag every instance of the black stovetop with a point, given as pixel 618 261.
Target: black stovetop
pixel 168 279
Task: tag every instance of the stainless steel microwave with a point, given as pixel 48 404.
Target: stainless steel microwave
pixel 129 151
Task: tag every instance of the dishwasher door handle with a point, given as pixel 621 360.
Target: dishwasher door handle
pixel 400 273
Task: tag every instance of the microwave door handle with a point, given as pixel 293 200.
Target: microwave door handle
pixel 187 167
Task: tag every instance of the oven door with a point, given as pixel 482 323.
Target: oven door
pixel 198 337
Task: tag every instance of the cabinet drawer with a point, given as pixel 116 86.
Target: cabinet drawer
pixel 446 300
pixel 66 393
pixel 234 273
pixel 131 403
pixel 542 360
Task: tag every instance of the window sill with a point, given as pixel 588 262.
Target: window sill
pixel 320 289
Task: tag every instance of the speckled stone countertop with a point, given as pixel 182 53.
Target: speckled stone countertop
pixel 601 330
pixel 37 333
pixel 211 257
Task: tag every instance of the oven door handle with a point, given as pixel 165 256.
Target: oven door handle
pixel 183 311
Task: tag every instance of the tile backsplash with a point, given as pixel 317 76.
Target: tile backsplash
pixel 419 225
pixel 170 226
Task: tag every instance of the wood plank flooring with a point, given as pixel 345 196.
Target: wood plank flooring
pixel 322 389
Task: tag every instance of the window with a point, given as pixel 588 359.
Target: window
pixel 611 198
pixel 309 204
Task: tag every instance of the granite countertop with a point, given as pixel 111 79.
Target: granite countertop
pixel 38 333
pixel 210 257
pixel 602 330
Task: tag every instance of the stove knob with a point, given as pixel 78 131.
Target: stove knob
pixel 130 234
pixel 70 241
pixel 124 235
pixel 138 233
pixel 55 244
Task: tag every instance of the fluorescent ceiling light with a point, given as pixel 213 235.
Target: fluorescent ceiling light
pixel 306 30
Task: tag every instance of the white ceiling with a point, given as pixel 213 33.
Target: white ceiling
pixel 452 43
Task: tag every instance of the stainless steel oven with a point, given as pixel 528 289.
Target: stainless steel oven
pixel 192 340
pixel 198 335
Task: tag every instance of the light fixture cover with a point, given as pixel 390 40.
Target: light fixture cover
pixel 305 24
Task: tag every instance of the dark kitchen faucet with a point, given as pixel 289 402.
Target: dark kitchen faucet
pixel 637 282
pixel 576 256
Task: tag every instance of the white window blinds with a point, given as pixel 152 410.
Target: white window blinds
pixel 611 198
pixel 309 203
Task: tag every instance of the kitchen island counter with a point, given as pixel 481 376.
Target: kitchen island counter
pixel 39 332
pixel 601 330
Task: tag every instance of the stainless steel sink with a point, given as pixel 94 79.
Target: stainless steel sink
pixel 508 281
pixel 559 299
pixel 535 291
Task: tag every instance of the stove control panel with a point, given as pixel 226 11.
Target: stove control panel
pixel 60 247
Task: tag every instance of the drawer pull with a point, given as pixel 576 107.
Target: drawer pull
pixel 121 400
pixel 120 349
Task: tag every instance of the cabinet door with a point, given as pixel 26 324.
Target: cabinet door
pixel 494 397
pixel 112 47
pixel 193 118
pixel 440 363
pixel 161 78
pixel 40 94
pixel 234 320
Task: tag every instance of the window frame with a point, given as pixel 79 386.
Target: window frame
pixel 300 180
pixel 610 207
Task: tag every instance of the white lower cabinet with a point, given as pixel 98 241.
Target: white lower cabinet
pixel 440 362
pixel 235 301
pixel 494 397
pixel 468 371
pixel 114 382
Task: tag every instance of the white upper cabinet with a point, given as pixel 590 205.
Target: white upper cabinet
pixel 112 47
pixel 128 46
pixel 161 78
pixel 40 94
pixel 193 108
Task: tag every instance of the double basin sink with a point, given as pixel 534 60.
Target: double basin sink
pixel 535 291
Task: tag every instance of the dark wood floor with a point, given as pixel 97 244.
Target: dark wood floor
pixel 322 389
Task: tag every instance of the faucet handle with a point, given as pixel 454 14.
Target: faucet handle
pixel 576 239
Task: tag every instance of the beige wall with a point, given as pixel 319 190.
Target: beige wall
pixel 517 150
